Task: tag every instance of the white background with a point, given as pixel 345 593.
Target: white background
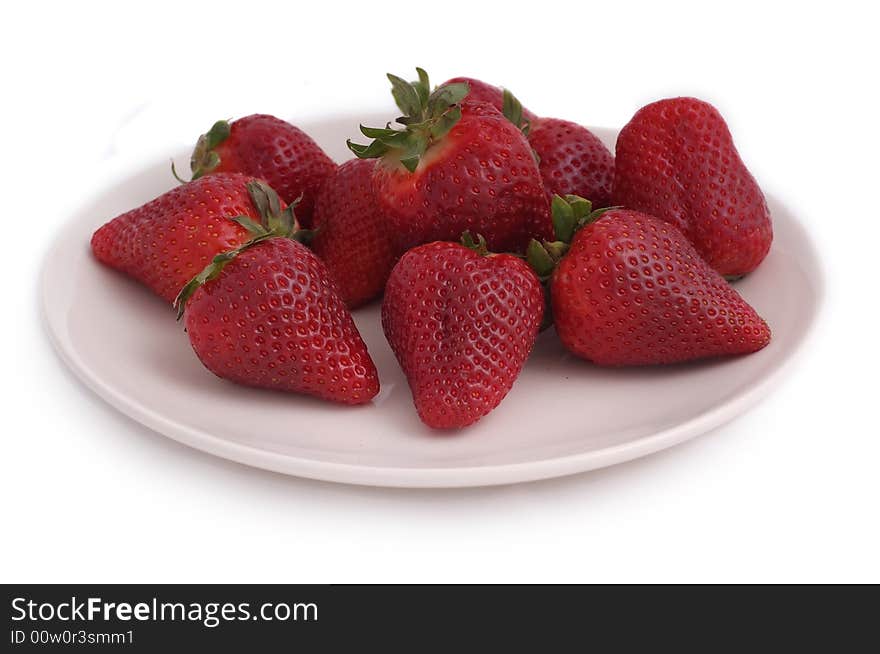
pixel 788 492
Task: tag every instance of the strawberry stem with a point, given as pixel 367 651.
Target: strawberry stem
pixel 479 246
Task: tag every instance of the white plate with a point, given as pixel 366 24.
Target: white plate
pixel 563 415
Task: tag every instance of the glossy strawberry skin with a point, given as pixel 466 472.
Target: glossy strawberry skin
pixel 279 153
pixel 166 242
pixel 573 161
pixel 354 239
pixel 461 326
pixel 676 160
pixel 480 177
pixel 483 92
pixel 632 291
pixel 272 319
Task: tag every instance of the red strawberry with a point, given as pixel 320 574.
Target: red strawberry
pixel 632 290
pixel 572 160
pixel 168 240
pixel 268 148
pixel 461 325
pixel 353 237
pixel 499 98
pixel 455 167
pixel 676 160
pixel 267 314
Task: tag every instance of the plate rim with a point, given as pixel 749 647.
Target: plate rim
pixel 121 166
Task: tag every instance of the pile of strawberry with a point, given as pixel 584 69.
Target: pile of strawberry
pixel 481 223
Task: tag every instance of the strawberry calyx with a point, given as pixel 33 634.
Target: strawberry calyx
pixel 275 222
pixel 543 257
pixel 427 118
pixel 513 111
pixel 204 158
pixel 570 213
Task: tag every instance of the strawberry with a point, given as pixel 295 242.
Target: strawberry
pixel 453 167
pixel 501 99
pixel 572 160
pixel 462 323
pixel 165 242
pixel 630 289
pixel 267 314
pixel 353 238
pixel 268 148
pixel 676 160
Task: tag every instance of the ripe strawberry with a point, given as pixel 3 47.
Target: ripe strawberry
pixel 632 290
pixel 454 167
pixel 353 237
pixel 676 160
pixel 572 160
pixel 268 148
pixel 267 314
pixel 479 91
pixel 165 242
pixel 461 325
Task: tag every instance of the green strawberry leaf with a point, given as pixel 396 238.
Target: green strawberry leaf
pixel 512 109
pixel 564 221
pixel 373 150
pixel 423 86
pixel 254 228
pixel 539 259
pixel 447 95
pixel 405 96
